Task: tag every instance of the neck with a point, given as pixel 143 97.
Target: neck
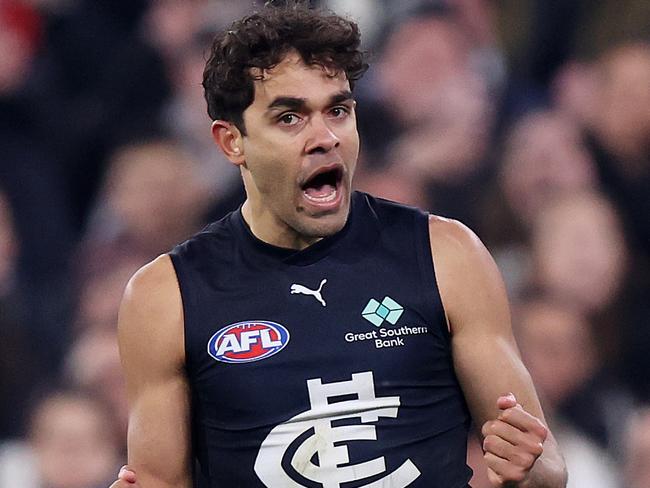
pixel 268 228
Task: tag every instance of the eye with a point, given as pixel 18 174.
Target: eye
pixel 339 112
pixel 288 119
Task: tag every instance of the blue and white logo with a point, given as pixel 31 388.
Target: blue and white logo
pixel 377 313
pixel 388 310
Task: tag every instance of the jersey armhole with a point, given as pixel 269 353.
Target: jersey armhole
pixel 430 292
pixel 182 288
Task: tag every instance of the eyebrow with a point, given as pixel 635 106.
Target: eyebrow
pixel 288 102
pixel 342 96
pixel 295 103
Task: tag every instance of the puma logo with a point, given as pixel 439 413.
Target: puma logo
pixel 303 290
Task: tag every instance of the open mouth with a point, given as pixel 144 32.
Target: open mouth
pixel 324 185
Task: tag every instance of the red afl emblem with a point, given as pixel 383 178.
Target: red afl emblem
pixel 245 342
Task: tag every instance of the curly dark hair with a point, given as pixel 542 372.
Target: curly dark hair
pixel 262 39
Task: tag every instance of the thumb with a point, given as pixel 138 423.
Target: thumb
pixel 126 474
pixel 506 401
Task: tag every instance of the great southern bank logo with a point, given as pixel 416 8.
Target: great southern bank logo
pixel 378 313
pixel 388 310
pixel 245 342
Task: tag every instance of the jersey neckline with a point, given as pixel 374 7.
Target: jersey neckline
pixel 306 256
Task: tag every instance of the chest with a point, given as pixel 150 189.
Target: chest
pixel 268 334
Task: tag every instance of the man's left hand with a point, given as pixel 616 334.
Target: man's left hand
pixel 512 443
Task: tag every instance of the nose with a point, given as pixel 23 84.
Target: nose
pixel 322 139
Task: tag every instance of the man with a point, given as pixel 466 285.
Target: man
pixel 301 340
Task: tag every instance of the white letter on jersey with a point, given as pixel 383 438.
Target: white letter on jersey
pixel 267 342
pixel 248 338
pixel 229 343
pixel 330 472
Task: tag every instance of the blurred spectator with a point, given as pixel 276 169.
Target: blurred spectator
pixel 184 116
pixel 152 198
pixel 574 91
pixel 621 136
pixel 450 144
pixel 544 158
pixel 580 255
pixel 84 87
pixel 370 15
pixel 541 35
pixel 100 292
pixel 170 26
pixel 181 32
pixel 637 450
pixel 19 38
pixel 579 251
pixel 449 152
pixel 443 101
pixel 70 445
pixel 32 179
pixel 621 142
pixel 624 125
pixel 420 55
pixel 558 347
pixel 93 365
pixel 579 395
pixel 478 20
pixel 392 184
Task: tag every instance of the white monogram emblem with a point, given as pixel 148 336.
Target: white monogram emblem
pixel 325 441
pixel 303 290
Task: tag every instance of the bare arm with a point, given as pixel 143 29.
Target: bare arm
pixel 152 350
pixel 519 448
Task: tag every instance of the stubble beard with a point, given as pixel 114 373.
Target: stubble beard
pixel 312 228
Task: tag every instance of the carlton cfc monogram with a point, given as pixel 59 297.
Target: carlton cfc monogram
pixel 327 442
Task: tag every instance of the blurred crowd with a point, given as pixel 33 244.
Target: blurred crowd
pixel 528 120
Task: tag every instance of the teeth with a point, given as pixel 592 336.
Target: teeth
pixel 325 199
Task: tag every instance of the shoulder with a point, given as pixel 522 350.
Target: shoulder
pixel 468 278
pixel 151 313
pixel 456 248
pixel 153 282
pixel 452 239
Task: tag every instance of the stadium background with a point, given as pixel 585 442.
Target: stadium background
pixel 529 120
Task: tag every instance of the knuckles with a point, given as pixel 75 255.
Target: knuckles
pixel 507 415
pixel 537 449
pixel 541 430
pixel 524 460
pixel 489 427
pixel 489 443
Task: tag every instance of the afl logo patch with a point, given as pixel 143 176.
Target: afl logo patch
pixel 245 342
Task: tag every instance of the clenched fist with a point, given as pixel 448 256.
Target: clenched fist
pixel 512 443
pixel 125 479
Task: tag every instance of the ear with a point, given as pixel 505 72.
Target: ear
pixel 230 140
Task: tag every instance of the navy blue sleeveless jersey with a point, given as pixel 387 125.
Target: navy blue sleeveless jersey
pixel 327 367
